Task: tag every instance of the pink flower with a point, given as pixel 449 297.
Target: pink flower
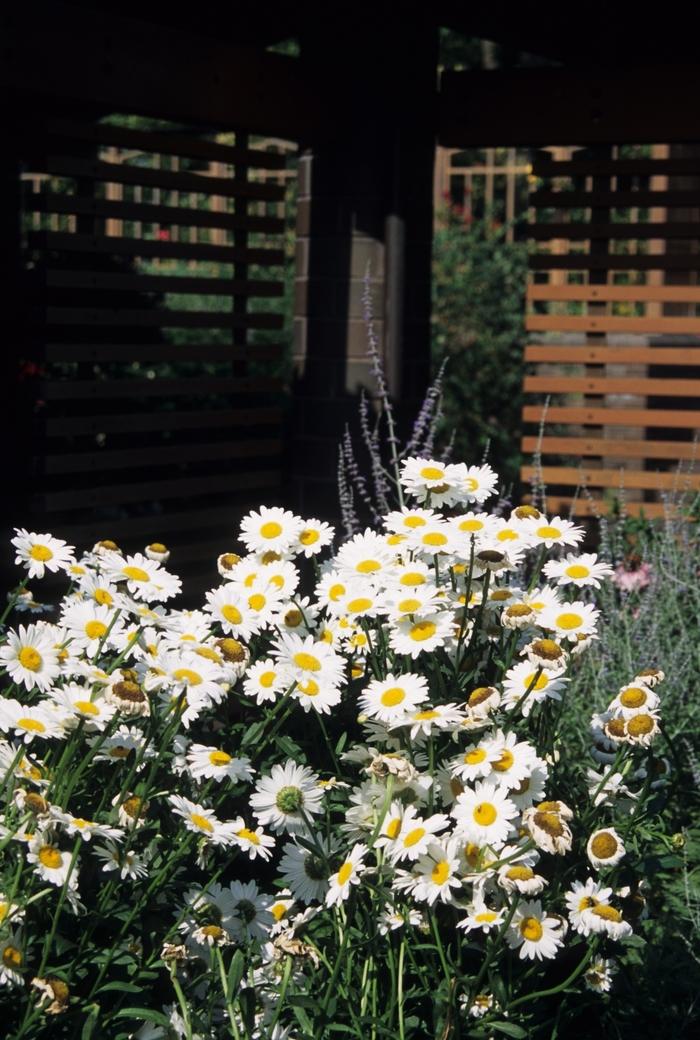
pixel 632 580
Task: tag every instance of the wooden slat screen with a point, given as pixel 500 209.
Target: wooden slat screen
pixel 152 350
pixel 614 326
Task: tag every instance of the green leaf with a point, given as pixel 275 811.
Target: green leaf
pixel 303 1019
pixel 301 1000
pixel 121 987
pixel 235 973
pixel 246 1001
pixel 90 1022
pixel 144 1015
pixel 508 1029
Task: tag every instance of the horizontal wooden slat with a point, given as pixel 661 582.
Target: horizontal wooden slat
pixel 614 261
pixel 645 480
pixel 676 418
pixel 152 490
pixel 142 352
pixel 63 241
pixel 166 143
pixel 616 293
pixel 608 385
pixel 160 318
pixel 121 173
pixel 615 199
pixel 97 461
pixel 575 231
pixel 137 211
pixel 583 167
pixel 607 446
pixel 587 323
pixel 614 355
pixel 82 390
pixel 584 506
pixel 161 283
pixel 211 419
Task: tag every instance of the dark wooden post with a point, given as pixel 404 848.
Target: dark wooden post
pixel 365 203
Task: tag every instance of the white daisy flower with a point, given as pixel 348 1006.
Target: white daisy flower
pixel 41 552
pixel 416 602
pixel 474 763
pixel 515 759
pixel 389 699
pixel 359 600
pixel 80 705
pixel 534 933
pixel 531 788
pixel 522 685
pixel 144 579
pixel 201 821
pixel 305 872
pixel 299 615
pixel 264 681
pixel 632 699
pixel 283 798
pixel 366 556
pixel 584 569
pixel 605 919
pixel 270 529
pixel 598 976
pixel 570 620
pixel 428 480
pixel 416 834
pixel 305 658
pixel 471 525
pixel 85 829
pixel 392 919
pixel 12 960
pixel 128 863
pixel 313 538
pixel 483 814
pixel 477 483
pixel 413 636
pixel 349 873
pixel 520 877
pixel 427 720
pixel 30 656
pixel 605 848
pixel 88 624
pixel 406 520
pixel 250 916
pixel 553 532
pixel 117 747
pixel 52 864
pixel 31 720
pixel 482 917
pixel 581 899
pixel 436 874
pixel 212 763
pixel 253 841
pixel 642 728
pixel 432 538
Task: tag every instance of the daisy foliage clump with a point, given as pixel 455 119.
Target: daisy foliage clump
pixel 332 798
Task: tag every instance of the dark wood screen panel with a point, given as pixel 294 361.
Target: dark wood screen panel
pixel 614 324
pixel 152 343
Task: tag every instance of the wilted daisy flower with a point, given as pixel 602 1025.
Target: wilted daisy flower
pixel 520 877
pixel 553 532
pixel 41 552
pixel 283 798
pixel 349 873
pixel 483 814
pixel 536 935
pixel 546 654
pixel 548 826
pixel 226 564
pixel 270 529
pixel 30 656
pixel 598 976
pixel 634 698
pixel 126 695
pixel 642 728
pixel 212 763
pixel 605 848
pixel 581 570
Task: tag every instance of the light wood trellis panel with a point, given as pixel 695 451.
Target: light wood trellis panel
pixel 151 257
pixel 614 326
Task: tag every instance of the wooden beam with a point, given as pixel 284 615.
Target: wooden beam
pixel 62 52
pixel 561 106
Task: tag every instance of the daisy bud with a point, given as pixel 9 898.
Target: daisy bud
pixel 158 552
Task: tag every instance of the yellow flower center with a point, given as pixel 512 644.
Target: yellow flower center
pixel 520 873
pixel 393 827
pixel 440 872
pixel 471 525
pixel 12 957
pixel 505 762
pixel 413 837
pixel 157 547
pixel 411 578
pixel 485 814
pixel 587 903
pixel 335 592
pixel 531 929
pixel 471 484
pixel 310 688
pixel 31 725
pixel 393 696
pixel 608 913
pixel 95 629
pixel 633 697
pixel 432 473
pixel 475 756
pixel 135 574
pixel 42 553
pixel 307 662
pixel 356 606
pixel 547 531
pixel 485 917
pixel 640 725
pixel 434 538
pixel 308 536
pixel 102 597
pixel 248 835
pixel 425 716
pixel 30 659
pixel 414 521
pixel 409 606
pixel 202 822
pixel 507 535
pixel 604 845
pixel 541 683
pixel 368 566
pixel 219 758
pixel 271 529
pixel 278 911
pixel 422 630
pixel 267 679
pixel 186 675
pixel 569 620
pixel 50 857
pixel 232 614
pixel 345 872
pixel 577 570
pixel 257 601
